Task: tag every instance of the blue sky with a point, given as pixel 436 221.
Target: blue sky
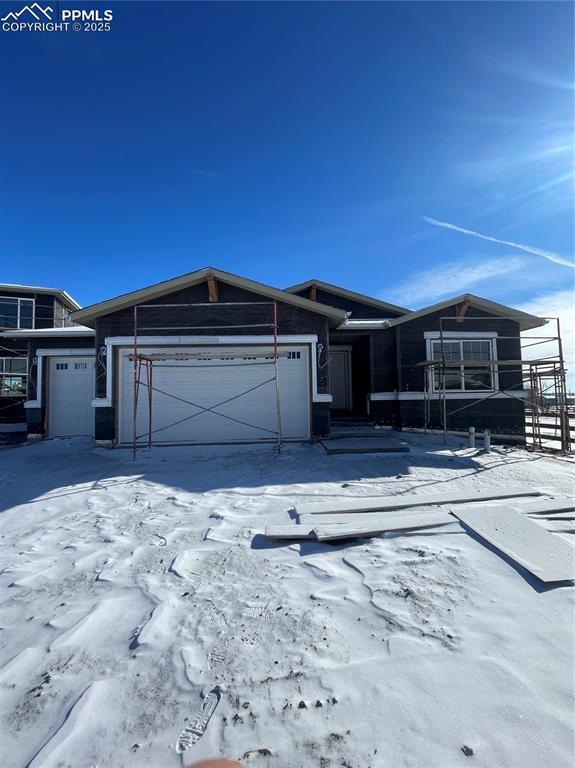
pixel 285 141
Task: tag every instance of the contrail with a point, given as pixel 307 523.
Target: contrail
pixel 549 255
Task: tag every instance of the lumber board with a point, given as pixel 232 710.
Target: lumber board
pixel 372 518
pixel 292 531
pixel 541 552
pixel 546 506
pixel 381 503
pixel 350 531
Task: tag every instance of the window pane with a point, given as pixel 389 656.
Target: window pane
pixel 8 313
pixel 16 365
pixel 13 386
pixel 26 313
pixel 452 379
pixel 477 378
pixel 450 350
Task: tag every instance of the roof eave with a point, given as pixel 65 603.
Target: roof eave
pixel 338 290
pixel 90 314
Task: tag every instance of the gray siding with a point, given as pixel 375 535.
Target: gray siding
pixel 175 321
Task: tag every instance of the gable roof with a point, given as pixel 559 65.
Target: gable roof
pixel 89 314
pixel 64 297
pixel 524 319
pixel 360 297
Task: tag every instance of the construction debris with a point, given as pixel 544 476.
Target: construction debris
pixel 350 531
pixel 381 503
pixel 542 553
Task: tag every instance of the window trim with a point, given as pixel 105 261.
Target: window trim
pixel 19 299
pixel 12 375
pixel 432 337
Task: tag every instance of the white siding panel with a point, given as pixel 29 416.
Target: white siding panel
pixel 182 388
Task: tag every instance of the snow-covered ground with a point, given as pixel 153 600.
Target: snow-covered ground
pixel 128 590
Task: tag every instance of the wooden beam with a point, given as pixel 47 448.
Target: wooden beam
pixel 312 293
pixel 461 310
pixel 212 288
pixel 381 503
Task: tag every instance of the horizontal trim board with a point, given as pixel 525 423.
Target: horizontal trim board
pixel 544 554
pixel 379 503
pixel 213 341
pixel 521 394
pixel 460 334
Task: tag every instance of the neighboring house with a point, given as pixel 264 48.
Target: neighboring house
pixel 210 335
pixel 24 308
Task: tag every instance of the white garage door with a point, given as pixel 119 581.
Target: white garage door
pixel 71 390
pixel 240 392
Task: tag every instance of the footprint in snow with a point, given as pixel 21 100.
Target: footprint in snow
pixel 196 729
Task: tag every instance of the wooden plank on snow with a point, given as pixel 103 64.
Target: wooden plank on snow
pixel 350 531
pixel 370 518
pixel 289 532
pixel 381 503
pixel 544 554
pixel 546 506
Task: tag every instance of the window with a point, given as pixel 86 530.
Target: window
pixel 16 313
pixel 469 370
pixel 13 376
pixel 61 366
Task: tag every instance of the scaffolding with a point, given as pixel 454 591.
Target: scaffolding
pixel 547 413
pixel 143 367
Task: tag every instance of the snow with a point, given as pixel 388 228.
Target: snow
pixel 131 589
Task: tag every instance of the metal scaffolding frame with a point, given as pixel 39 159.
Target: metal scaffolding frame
pixel 545 378
pixel 144 364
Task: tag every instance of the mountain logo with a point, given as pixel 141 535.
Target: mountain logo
pixel 35 10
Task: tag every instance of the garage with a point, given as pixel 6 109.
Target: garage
pixel 216 394
pixel 71 390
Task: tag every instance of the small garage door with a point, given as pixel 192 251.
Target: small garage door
pixel 71 390
pixel 239 391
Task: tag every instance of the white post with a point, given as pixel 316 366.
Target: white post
pixel 487 441
pixel 472 437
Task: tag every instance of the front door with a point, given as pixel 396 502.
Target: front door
pixel 340 378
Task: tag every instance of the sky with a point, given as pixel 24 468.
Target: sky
pixel 410 151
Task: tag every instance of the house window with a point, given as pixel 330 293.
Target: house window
pixel 13 376
pixel 16 313
pixel 468 368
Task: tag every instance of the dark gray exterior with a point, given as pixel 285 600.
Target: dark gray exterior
pixel 36 417
pixel 359 310
pixel 49 312
pixel 174 321
pixel 406 343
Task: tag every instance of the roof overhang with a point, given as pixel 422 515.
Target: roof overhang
pixel 37 333
pixel 90 314
pixel 525 320
pixel 64 297
pixel 369 300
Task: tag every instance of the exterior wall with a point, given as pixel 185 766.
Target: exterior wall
pixel 174 321
pixel 500 415
pixel 36 417
pixel 12 408
pixel 358 309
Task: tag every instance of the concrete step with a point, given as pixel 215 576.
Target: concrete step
pixel 364 445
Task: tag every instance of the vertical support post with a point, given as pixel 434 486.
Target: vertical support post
pixel 443 387
pixel 562 404
pixel 472 437
pixel 149 373
pixel 487 441
pixel 136 378
pixel 277 381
